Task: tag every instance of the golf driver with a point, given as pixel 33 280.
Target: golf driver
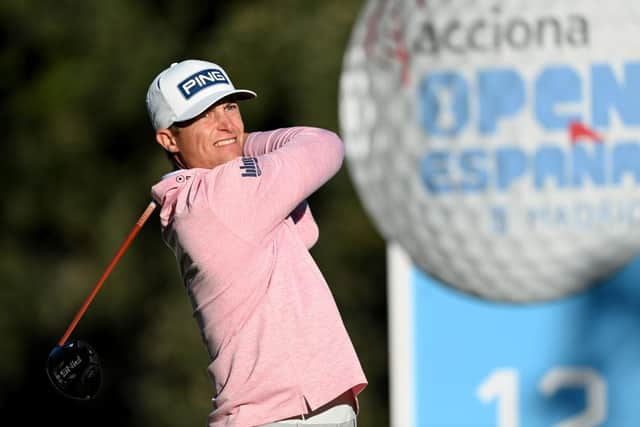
pixel 73 367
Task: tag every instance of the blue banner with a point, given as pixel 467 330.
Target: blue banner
pixel 570 362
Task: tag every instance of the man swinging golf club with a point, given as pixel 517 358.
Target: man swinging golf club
pixel 234 212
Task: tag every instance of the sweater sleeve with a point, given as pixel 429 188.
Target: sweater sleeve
pixel 280 169
pixel 259 143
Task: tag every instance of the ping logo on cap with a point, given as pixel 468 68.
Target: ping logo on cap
pixel 201 80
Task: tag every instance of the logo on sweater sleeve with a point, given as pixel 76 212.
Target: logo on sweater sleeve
pixel 250 167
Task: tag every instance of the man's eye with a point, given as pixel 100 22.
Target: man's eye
pixel 231 106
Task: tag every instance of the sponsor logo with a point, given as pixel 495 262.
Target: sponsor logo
pixel 499 33
pixel 250 167
pixel 68 368
pixel 201 80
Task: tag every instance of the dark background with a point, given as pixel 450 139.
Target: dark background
pixel 79 160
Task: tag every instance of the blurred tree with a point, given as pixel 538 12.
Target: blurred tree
pixel 79 162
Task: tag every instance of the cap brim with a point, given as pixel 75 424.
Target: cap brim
pixel 203 104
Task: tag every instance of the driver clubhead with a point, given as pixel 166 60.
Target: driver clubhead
pixel 74 370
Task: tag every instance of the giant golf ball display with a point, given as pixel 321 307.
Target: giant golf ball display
pixel 498 142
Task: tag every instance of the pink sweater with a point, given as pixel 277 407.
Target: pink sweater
pixel 241 233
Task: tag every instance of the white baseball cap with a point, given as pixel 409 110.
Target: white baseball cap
pixel 186 89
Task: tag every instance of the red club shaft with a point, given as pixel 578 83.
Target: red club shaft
pixel 132 234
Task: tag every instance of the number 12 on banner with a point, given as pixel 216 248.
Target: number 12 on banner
pixel 502 386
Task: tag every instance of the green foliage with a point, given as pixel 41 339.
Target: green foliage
pixel 78 165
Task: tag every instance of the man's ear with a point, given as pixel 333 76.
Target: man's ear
pixel 167 140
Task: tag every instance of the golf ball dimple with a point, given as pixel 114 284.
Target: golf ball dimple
pixel 498 141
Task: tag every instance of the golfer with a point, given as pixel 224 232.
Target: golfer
pixel 234 212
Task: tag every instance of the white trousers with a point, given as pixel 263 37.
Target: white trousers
pixel 336 416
